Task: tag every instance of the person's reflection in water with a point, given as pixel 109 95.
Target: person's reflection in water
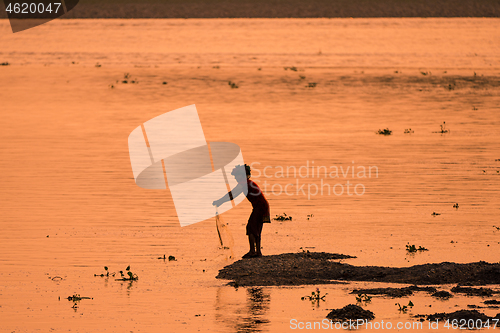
pixel 248 318
pixel 258 305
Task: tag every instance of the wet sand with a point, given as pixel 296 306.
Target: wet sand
pixel 318 268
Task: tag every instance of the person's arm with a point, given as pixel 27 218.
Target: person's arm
pixel 237 190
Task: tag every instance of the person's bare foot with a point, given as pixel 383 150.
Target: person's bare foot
pixel 257 255
pixel 249 255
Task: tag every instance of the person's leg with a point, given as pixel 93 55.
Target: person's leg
pixel 251 241
pixel 257 246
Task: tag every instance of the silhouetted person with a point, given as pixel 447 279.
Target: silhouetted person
pixel 260 213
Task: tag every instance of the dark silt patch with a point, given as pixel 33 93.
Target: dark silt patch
pixel 394 292
pixel 350 312
pixel 472 291
pixel 459 315
pixel 318 268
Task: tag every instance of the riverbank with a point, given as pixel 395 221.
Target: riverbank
pixel 326 268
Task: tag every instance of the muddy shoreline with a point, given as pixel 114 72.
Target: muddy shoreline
pixel 291 269
pixel 284 9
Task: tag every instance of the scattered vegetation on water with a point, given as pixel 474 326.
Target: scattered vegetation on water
pixel 310 216
pixel 98 65
pixel 126 79
pixel 4 64
pixel 232 85
pixel 129 277
pixel 315 297
pixel 435 214
pixel 75 299
pixel 216 67
pixel 386 131
pixel 282 217
pixel 455 206
pixel 443 128
pixel 311 85
pixel 170 258
pixel 302 77
pixel 426 73
pixel 164 83
pixel 108 273
pixel 363 299
pixel 408 131
pixel 413 248
pixel 293 68
pixel 498 228
pixel 405 308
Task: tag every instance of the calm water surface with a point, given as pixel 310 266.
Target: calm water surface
pixel 70 205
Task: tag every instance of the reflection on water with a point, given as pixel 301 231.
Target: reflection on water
pixel 250 315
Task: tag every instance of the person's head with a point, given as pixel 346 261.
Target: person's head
pixel 241 173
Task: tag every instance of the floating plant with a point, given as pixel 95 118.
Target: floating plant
pixel 386 131
pixel 363 298
pixel 443 128
pixel 129 277
pixel 413 248
pixel 404 308
pixel 108 273
pixel 232 85
pixel 283 217
pixel 315 297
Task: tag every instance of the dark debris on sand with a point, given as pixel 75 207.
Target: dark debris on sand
pixel 393 292
pixel 472 291
pixel 318 268
pixel 350 312
pixel 459 315
pixel 443 294
pixel 288 269
pixel 491 301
